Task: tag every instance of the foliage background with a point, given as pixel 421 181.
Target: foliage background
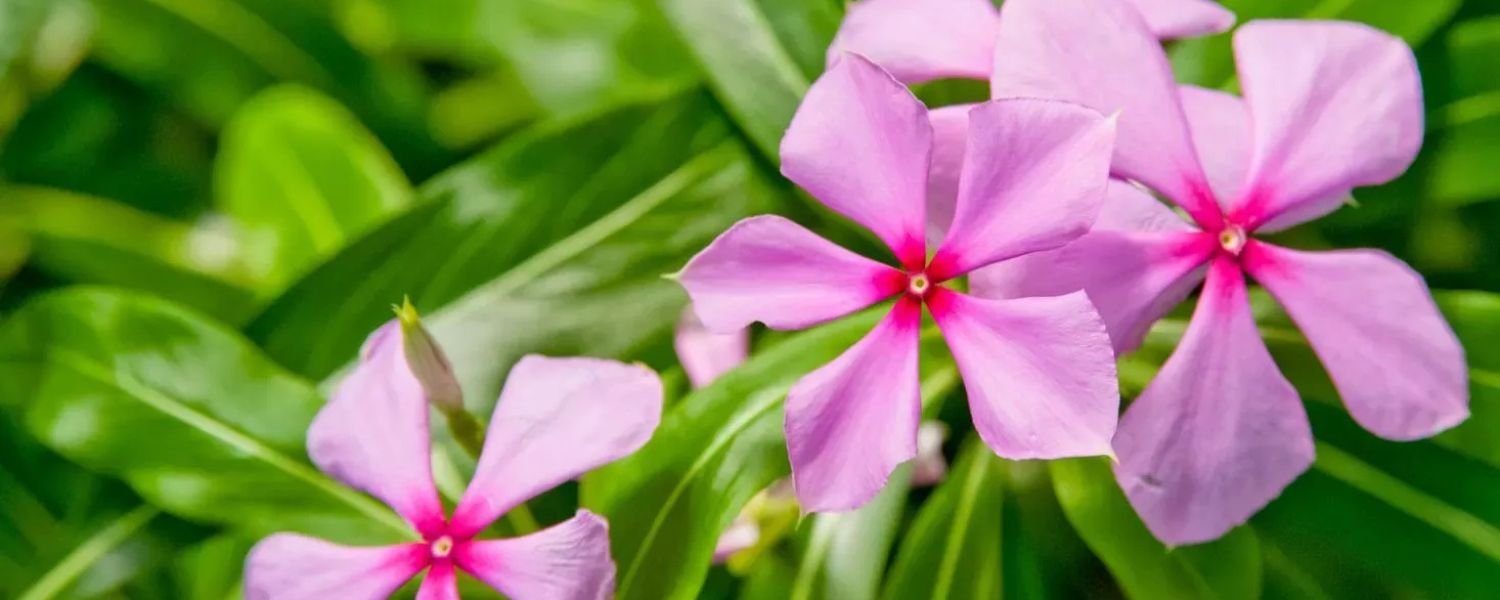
pixel 206 204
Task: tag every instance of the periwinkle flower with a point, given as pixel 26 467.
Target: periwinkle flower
pixel 556 419
pixel 1039 372
pixel 1327 107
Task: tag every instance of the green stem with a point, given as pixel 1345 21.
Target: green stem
pixel 89 552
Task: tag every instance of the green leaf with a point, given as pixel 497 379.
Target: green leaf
pixel 41 42
pixel 953 550
pixel 554 240
pixel 749 69
pixel 210 570
pixel 1468 128
pixel 193 417
pixel 302 177
pixel 847 553
pixel 93 240
pixel 1209 61
pixel 91 550
pixel 1145 568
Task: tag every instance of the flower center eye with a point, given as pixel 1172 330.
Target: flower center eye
pixel 442 547
pixel 918 284
pixel 1232 239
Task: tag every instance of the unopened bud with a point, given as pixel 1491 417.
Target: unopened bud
pixel 428 363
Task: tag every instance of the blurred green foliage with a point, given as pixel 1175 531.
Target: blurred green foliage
pixel 206 204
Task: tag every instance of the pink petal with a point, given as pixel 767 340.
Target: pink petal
pixel 1099 53
pixel 772 270
pixel 373 435
pixel 567 561
pixel 557 418
pixel 930 466
pixel 1140 261
pixel 950 133
pixel 851 422
pixel 1219 432
pixel 860 143
pixel 921 40
pixel 1034 178
pixel 1335 106
pixel 287 566
pixel 742 533
pixel 1039 372
pixel 706 355
pixel 1220 125
pixel 441 582
pixel 1395 361
pixel 1173 19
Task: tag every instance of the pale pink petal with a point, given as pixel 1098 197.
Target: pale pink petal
pixel 706 355
pixel 1039 372
pixel 1335 106
pixel 742 534
pixel 1395 361
pixel 1034 178
pixel 557 418
pixel 440 583
pixel 772 270
pixel 921 40
pixel 1099 53
pixel 860 143
pixel 851 422
pixel 567 561
pixel 373 435
pixel 1220 125
pixel 950 133
pixel 1173 19
pixel 1219 432
pixel 929 467
pixel 287 566
pixel 1139 262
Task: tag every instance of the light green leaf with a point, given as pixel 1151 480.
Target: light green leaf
pixel 953 550
pixel 302 177
pixel 193 417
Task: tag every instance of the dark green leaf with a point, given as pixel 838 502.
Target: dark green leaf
pixel 953 550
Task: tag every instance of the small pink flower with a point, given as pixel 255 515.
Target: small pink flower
pixel 925 40
pixel 706 355
pixel 1040 376
pixel 1328 106
pixel 556 419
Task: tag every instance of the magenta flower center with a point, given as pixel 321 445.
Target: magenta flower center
pixel 442 547
pixel 1232 238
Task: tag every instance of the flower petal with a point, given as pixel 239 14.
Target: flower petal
pixel 373 434
pixel 852 421
pixel 1395 361
pixel 1099 53
pixel 1220 125
pixel 1219 432
pixel 921 40
pixel 1174 19
pixel 441 582
pixel 706 355
pixel 287 566
pixel 1039 372
pixel 860 143
pixel 1334 105
pixel 567 561
pixel 772 270
pixel 950 133
pixel 1034 178
pixel 557 418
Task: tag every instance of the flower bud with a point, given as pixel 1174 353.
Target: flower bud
pixel 427 363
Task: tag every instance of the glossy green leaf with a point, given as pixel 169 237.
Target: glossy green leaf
pixel 193 417
pixel 953 549
pixel 301 177
pixel 1229 568
pixel 555 232
pixel 846 553
pixel 41 42
pixel 93 240
pixel 1469 127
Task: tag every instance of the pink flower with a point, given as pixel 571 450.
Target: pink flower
pixel 1040 377
pixel 925 40
pixel 1327 107
pixel 706 355
pixel 556 419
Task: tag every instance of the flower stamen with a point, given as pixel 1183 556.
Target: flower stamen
pixel 442 547
pixel 918 284
pixel 1232 239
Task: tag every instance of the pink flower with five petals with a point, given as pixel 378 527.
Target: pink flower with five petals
pixel 556 419
pixel 1327 107
pixel 1039 372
